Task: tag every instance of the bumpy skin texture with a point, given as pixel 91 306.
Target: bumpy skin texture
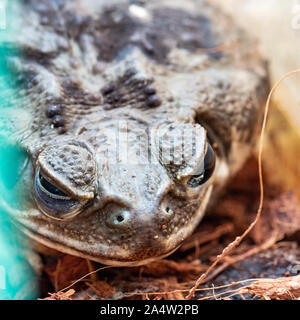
pixel 94 69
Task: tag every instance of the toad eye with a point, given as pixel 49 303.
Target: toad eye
pixel 207 169
pixel 52 201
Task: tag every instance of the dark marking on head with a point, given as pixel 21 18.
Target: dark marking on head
pixel 153 101
pixel 77 25
pixel 130 90
pixel 58 121
pixel 28 78
pixel 34 54
pixel 117 29
pixel 184 29
pixel 140 3
pixel 55 113
pixel 73 93
pixel 54 110
pixel 49 13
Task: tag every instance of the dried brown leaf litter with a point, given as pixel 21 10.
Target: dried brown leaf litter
pixel 277 289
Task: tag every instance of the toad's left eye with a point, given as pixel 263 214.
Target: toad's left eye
pixel 206 170
pixel 52 201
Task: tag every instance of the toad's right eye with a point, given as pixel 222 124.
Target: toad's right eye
pixel 52 201
pixel 50 188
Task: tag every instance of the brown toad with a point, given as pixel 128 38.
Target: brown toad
pixel 132 121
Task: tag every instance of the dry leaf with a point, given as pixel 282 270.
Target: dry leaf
pixel 61 295
pixel 280 289
pixel 66 270
pixel 281 218
pixel 102 289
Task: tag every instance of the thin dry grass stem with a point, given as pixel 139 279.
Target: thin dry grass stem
pixel 83 277
pixel 91 268
pixel 56 275
pixel 231 260
pixel 218 295
pixel 238 239
pixel 198 290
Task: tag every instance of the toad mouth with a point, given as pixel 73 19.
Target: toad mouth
pixel 110 262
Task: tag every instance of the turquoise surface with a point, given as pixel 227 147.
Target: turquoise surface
pixel 16 275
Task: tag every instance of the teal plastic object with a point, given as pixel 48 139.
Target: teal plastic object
pixel 17 279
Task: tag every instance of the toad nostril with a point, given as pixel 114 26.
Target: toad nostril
pixel 167 210
pixel 119 218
